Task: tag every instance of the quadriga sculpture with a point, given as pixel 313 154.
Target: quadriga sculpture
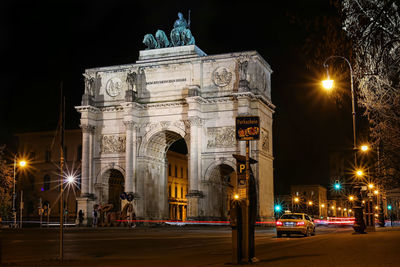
pixel 150 41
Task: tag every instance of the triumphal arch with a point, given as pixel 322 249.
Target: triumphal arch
pixel 131 115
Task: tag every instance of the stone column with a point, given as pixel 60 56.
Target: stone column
pixel 86 150
pixel 91 155
pixel 85 202
pixel 194 168
pixel 130 157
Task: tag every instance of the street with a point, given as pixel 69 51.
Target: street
pixel 196 246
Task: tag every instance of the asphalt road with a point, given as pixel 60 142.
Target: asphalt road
pixel 206 246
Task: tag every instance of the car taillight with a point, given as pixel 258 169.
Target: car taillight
pixel 300 223
pixel 279 223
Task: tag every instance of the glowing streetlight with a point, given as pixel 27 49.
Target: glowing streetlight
pixel 236 196
pixel 327 84
pixel 359 173
pixel 370 186
pixel 322 205
pixel 364 148
pixel 22 163
pixel 296 200
pixel 70 179
pixel 351 198
pixel 333 207
pixel 310 203
pixel 376 192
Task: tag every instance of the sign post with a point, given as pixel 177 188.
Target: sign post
pixel 247 129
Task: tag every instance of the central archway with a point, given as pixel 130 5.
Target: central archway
pixel 153 175
pixel 178 185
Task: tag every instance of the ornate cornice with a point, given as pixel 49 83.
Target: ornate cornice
pixel 165 105
pixel 112 109
pixel 87 109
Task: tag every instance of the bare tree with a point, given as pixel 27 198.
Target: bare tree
pixel 374 28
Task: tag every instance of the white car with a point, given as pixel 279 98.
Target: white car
pixel 295 223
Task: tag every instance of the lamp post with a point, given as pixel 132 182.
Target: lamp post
pixel 22 163
pixel 359 224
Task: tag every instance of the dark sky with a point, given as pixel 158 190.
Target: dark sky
pixel 49 42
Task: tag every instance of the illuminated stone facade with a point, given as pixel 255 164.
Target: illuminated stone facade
pixel 131 114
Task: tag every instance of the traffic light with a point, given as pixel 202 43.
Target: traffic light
pixel 337 185
pixel 278 208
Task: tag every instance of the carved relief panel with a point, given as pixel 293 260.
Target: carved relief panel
pixel 219 137
pixel 112 144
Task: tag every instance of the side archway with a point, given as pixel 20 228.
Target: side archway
pixel 219 183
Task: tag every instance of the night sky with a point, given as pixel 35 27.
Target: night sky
pixel 47 43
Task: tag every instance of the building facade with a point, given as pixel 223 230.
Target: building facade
pixel 312 199
pixel 132 114
pixel 40 179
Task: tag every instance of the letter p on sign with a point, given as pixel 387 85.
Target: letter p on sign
pixel 242 167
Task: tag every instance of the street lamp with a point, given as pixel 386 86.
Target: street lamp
pixel 359 224
pixel 364 148
pixel 370 186
pixel 21 163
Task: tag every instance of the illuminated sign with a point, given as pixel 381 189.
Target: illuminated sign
pixel 247 128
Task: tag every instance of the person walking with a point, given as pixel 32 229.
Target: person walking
pixel 80 217
pixel 95 217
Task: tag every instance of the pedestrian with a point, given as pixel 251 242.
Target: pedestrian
pixel 80 216
pixel 133 217
pixel 94 217
pixel 391 219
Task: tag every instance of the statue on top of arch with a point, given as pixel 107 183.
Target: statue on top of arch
pixel 180 35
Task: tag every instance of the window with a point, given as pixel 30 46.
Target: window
pixel 169 170
pixel 32 155
pixel 181 192
pixel 181 172
pixel 176 171
pixel 176 191
pixel 169 191
pixel 46 182
pixel 47 156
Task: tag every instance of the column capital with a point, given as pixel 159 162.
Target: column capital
pixel 196 121
pixel 87 128
pixel 130 125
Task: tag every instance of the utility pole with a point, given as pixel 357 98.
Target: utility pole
pixel 62 109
